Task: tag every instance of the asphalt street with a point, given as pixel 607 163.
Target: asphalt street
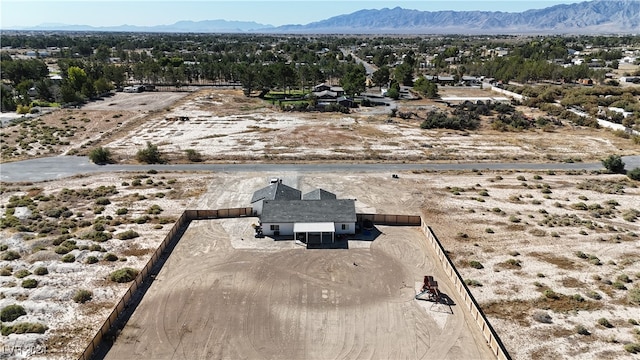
pixel 59 167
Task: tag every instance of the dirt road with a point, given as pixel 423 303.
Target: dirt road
pixel 213 301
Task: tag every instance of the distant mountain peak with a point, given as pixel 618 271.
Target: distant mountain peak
pixel 589 17
pixel 598 16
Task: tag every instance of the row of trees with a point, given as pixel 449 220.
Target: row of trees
pixel 264 62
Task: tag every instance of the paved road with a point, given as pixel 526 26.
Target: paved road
pixel 64 166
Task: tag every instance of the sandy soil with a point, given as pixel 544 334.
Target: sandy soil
pixel 526 229
pixel 226 126
pixel 223 125
pixel 510 295
pixel 214 301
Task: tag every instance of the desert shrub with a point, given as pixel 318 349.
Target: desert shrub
pixel 154 210
pixel 122 211
pixel 604 322
pixel 475 264
pixel 11 312
pixel 580 329
pixel 550 294
pixel 103 201
pixel 150 154
pixel 633 348
pixel 10 255
pixel 100 156
pixel 22 273
pixel 126 235
pixel 29 283
pixel 6 271
pixel 614 164
pixel 23 328
pixel 581 255
pixel 95 247
pixel 41 271
pixel 634 174
pixel 513 263
pixel 193 155
pixel 82 296
pixel 630 215
pixel 618 285
pixel 62 250
pixel 594 295
pixel 91 260
pixel 633 296
pixel 471 282
pixel 542 317
pixel 141 219
pixel 110 257
pixel 98 236
pixel 537 232
pixel 489 230
pixel 623 278
pixel 69 258
pixel 123 275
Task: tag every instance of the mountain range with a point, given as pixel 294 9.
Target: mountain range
pixel 589 17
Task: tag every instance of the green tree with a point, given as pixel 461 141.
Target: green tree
pixel 614 164
pixel 77 77
pixel 404 74
pixel 426 88
pixel 394 91
pixel 381 76
pixel 354 79
pixel 102 86
pixel 7 101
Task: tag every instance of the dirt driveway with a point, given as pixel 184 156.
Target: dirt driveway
pixel 212 300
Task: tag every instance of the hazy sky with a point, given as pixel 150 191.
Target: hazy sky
pixel 20 13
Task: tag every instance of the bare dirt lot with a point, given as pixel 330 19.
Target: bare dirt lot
pixel 224 125
pixel 213 301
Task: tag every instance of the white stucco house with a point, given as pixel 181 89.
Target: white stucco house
pixel 316 217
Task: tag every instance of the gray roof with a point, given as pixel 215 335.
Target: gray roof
pixel 318 194
pixel 276 191
pixel 292 211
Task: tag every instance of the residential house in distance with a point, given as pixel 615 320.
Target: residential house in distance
pixel 314 218
pixel 327 95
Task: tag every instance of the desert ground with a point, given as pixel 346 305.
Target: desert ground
pixel 281 301
pixel 225 126
pixel 543 252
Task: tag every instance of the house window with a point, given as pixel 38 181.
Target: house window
pixel 275 227
pixel 345 226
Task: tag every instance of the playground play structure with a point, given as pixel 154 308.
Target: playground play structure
pixel 430 288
